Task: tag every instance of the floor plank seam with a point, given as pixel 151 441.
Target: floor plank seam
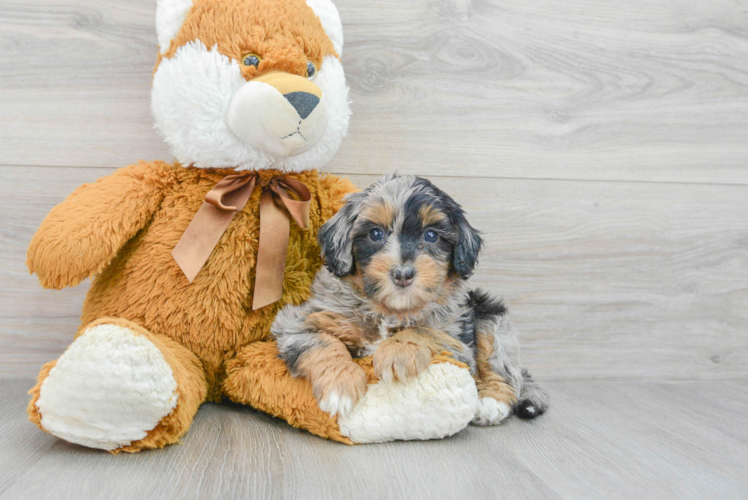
pixel 466 177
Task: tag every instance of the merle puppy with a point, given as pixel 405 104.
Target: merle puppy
pixel 398 256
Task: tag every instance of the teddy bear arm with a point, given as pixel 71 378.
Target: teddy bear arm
pixel 81 235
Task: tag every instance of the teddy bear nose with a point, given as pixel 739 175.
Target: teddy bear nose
pixel 403 275
pixel 303 102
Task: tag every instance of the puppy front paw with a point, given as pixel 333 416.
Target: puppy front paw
pixel 491 412
pixel 400 360
pixel 339 387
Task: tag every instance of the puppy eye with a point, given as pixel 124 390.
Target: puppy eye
pixel 311 70
pixel 430 236
pixel 376 234
pixel 251 60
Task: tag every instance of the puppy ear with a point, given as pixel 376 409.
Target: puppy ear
pixel 335 237
pixel 469 243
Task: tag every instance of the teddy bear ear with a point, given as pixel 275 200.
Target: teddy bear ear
pixel 328 15
pixel 170 15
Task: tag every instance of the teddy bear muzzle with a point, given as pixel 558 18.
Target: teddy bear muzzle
pixel 279 113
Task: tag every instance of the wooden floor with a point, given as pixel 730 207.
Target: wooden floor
pixel 601 147
pixel 601 440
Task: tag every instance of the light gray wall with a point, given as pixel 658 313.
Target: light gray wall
pixel 601 147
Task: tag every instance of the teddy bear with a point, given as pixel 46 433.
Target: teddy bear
pixel 191 260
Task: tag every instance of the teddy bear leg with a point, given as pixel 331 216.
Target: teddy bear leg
pixel 437 403
pixel 119 387
pixel 259 378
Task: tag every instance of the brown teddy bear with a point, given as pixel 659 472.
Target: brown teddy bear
pixel 192 260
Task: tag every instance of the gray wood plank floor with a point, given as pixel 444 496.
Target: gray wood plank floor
pixel 600 440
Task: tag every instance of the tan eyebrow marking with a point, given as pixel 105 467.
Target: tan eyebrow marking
pixel 379 212
pixel 429 214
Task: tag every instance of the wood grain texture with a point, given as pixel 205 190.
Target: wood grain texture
pixel 599 440
pixel 605 280
pixel 633 90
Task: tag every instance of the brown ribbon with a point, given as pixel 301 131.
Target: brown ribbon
pixel 222 202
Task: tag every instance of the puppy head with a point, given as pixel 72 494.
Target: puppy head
pixel 403 237
pixel 250 84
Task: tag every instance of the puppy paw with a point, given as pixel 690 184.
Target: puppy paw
pixel 491 412
pixel 400 361
pixel 339 388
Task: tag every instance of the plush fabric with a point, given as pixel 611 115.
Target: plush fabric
pixel 437 404
pixel 94 415
pixel 99 417
pixel 230 25
pixel 200 70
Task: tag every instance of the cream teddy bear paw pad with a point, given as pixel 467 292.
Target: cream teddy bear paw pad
pixel 107 390
pixel 438 403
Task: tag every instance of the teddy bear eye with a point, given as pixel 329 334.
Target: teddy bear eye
pixel 311 70
pixel 251 60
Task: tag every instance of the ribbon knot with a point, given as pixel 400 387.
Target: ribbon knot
pixel 222 202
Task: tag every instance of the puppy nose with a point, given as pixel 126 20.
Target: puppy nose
pixel 304 102
pixel 403 275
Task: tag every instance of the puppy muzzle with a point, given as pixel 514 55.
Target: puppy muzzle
pixel 279 113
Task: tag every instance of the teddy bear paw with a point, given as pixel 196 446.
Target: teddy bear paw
pixel 491 412
pixel 438 403
pixel 108 389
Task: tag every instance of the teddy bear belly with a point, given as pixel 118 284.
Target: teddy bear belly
pixel 212 316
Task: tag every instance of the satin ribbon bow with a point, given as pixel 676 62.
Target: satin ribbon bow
pixel 222 202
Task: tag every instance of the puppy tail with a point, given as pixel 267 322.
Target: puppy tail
pixel 533 399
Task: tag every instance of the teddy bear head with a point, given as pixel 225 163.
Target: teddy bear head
pixel 250 84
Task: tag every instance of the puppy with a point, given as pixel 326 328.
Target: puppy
pixel 398 256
